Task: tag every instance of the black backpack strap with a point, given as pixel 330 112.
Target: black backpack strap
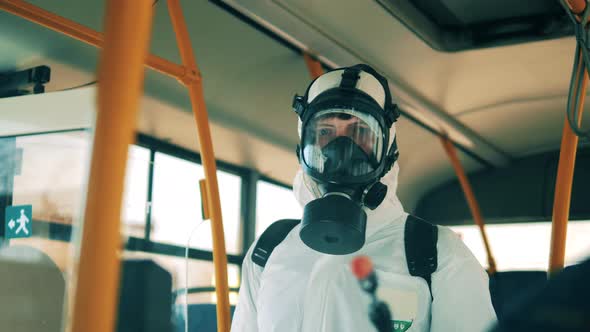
pixel 420 239
pixel 272 237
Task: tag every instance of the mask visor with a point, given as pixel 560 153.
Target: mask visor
pixel 342 142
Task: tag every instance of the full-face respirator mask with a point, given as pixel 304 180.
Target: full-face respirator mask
pixel 345 148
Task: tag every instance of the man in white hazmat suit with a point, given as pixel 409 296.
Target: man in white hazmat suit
pixel 296 277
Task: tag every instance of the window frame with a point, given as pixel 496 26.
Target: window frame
pixel 249 178
pixel 155 145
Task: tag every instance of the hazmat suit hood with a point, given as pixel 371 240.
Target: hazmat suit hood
pixel 388 213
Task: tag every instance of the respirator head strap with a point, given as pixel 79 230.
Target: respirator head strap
pixel 350 78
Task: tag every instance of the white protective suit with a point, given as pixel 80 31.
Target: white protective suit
pixel 304 290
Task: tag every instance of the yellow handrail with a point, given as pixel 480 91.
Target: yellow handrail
pixel 195 89
pixel 313 65
pixel 84 34
pixel 121 72
pixel 565 178
pixel 471 200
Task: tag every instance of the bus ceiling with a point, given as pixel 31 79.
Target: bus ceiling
pixel 452 26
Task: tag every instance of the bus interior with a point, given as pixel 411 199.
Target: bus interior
pixel 485 90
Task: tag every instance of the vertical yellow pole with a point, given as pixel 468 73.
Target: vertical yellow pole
pixel 121 72
pixel 195 88
pixel 565 178
pixel 313 65
pixel 471 200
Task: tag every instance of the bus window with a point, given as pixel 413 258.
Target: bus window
pixel 513 254
pixel 176 207
pixel 43 176
pixel 50 171
pixel 274 202
pixel 50 176
pixel 136 187
pixel 53 189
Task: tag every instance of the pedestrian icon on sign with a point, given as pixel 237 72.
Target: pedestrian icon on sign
pixel 22 222
pixel 18 221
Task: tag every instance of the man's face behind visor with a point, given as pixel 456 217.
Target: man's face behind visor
pixel 342 142
pixel 330 126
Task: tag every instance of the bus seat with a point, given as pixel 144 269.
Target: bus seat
pixel 561 304
pixel 32 289
pixel 202 317
pixel 508 286
pixel 145 299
